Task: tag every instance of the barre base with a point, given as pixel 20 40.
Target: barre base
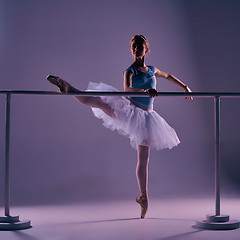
pixel 218 222
pixel 13 223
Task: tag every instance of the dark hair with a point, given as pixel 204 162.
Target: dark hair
pixel 141 39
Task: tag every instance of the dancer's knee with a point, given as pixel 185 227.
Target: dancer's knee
pixel 143 154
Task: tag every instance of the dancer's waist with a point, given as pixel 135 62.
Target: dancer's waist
pixel 147 107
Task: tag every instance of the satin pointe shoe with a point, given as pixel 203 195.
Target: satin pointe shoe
pixel 142 200
pixel 64 86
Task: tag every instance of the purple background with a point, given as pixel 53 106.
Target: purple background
pixel 60 153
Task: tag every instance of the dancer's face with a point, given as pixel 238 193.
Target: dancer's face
pixel 138 49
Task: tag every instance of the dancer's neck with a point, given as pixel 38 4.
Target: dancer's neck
pixel 139 62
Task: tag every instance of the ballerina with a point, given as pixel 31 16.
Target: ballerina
pixel 133 117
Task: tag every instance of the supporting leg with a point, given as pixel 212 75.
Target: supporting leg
pixel 142 167
pixel 142 178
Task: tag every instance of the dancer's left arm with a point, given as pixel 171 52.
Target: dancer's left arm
pixel 173 79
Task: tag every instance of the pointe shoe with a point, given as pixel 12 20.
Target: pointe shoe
pixel 64 86
pixel 143 202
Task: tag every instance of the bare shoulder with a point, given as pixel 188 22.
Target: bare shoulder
pixel 127 79
pixel 128 73
pixel 160 73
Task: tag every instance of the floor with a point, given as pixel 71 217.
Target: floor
pixel 169 219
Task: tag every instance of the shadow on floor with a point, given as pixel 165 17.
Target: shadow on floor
pixel 22 235
pixel 180 235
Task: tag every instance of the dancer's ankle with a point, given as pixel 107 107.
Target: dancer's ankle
pixel 144 194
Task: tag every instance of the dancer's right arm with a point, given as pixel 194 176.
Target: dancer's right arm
pixel 128 85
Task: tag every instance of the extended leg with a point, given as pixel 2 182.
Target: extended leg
pixel 95 102
pixel 142 177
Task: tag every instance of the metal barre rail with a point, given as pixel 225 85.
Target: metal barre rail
pixel 212 221
pixel 95 93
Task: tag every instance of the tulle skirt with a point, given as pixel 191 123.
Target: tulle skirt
pixel 142 127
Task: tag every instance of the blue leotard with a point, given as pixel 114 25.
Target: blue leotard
pixel 143 80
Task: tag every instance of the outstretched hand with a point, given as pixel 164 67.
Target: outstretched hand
pixel 152 92
pixel 187 89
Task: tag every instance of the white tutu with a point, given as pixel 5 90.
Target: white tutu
pixel 143 127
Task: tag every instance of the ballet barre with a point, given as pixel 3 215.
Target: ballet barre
pixel 214 222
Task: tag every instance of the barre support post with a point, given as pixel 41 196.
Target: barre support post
pixel 217 154
pixel 217 221
pixel 7 142
pixel 9 222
